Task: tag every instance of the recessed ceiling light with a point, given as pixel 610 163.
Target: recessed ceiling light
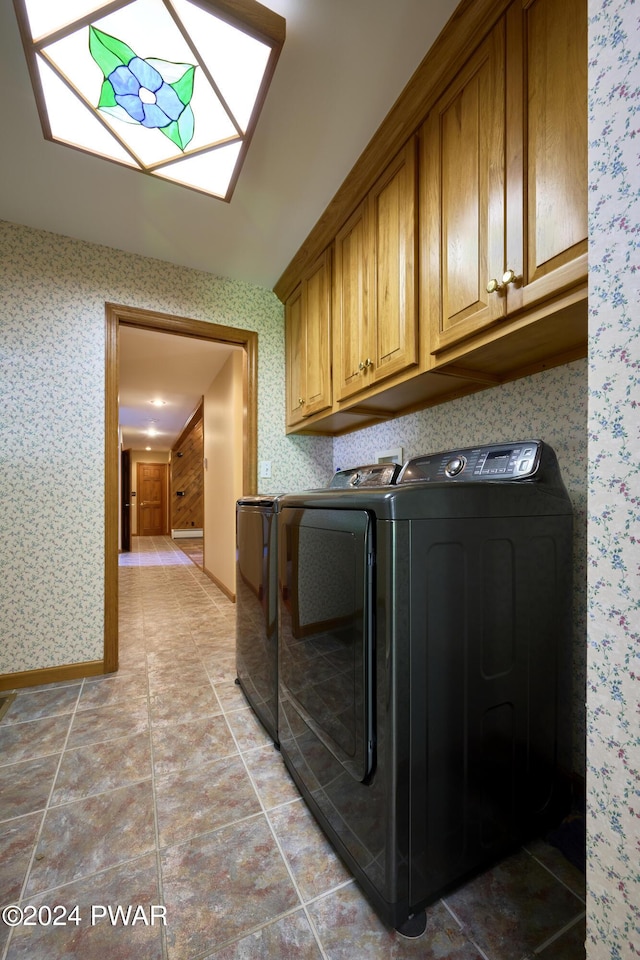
pixel 172 88
pixel 158 403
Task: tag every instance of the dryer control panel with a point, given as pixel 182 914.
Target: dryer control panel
pixel 494 461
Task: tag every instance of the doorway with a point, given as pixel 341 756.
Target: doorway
pixel 116 317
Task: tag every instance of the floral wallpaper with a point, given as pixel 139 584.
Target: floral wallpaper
pixel 52 383
pixel 613 725
pixel 550 406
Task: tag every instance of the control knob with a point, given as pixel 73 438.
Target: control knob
pixel 455 466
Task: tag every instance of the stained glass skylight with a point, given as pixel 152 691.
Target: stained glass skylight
pixel 173 88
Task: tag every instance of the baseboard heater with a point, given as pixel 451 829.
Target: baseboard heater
pixel 186 532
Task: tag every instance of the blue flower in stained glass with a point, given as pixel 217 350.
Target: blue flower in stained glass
pixel 153 93
pixel 140 89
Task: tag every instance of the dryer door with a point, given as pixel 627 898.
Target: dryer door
pixel 326 635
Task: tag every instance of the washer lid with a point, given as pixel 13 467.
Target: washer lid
pixel 259 500
pixel 372 475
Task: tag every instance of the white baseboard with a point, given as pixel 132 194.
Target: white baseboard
pixel 186 532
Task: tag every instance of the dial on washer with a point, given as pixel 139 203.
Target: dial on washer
pixel 455 466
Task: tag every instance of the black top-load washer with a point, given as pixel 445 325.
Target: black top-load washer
pixel 425 635
pixel 256 589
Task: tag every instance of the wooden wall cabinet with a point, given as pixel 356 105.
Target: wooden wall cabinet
pixel 504 175
pixel 463 264
pixel 375 282
pixel 308 343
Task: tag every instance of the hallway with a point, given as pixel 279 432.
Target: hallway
pixel 157 787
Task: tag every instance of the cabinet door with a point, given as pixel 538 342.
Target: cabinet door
pixel 392 268
pixel 316 306
pixel 463 186
pixel 546 148
pixel 295 357
pixel 350 314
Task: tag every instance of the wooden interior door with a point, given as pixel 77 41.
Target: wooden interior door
pixel 151 497
pixel 125 501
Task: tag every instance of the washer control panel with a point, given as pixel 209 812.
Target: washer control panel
pixel 495 461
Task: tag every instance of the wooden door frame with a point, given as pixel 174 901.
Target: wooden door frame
pixel 115 316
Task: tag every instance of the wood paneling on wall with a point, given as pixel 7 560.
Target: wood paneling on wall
pixel 187 475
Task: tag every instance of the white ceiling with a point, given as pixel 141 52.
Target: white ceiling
pixel 160 366
pixel 343 65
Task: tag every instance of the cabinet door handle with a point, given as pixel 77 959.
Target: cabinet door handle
pixel 494 285
pixel 509 276
pixel 364 364
pixel 300 401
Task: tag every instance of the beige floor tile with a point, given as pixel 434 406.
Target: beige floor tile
pixel 109 722
pixel 203 798
pixel 99 767
pixel 82 838
pixel 206 880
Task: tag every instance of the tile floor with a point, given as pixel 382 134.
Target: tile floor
pixel 157 788
pixel 193 547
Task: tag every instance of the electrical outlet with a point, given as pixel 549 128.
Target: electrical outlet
pixel 265 469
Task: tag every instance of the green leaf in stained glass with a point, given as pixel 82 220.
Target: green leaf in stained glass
pixel 186 125
pixel 107 96
pixel 180 131
pixel 108 52
pixel 172 132
pixel 169 71
pixel 184 86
